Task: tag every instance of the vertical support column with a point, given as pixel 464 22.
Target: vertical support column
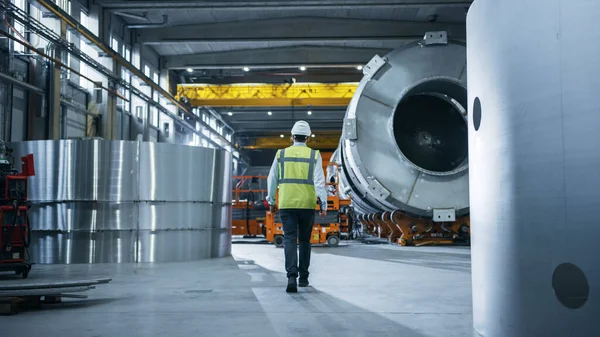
pixel 109 106
pixel 109 120
pixel 146 136
pixel 167 127
pixel 54 115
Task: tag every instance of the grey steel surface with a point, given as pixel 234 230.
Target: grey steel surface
pixel 96 201
pixel 73 170
pixel 43 291
pixel 379 175
pixel 65 284
pixel 534 164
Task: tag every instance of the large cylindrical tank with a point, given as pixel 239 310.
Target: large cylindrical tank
pixel 534 146
pixel 404 145
pixel 97 201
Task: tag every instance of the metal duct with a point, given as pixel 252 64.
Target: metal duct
pixel 534 153
pixel 96 201
pixel 404 145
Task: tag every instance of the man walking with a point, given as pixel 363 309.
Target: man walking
pixel 298 172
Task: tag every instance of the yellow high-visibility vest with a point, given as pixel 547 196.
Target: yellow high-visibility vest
pixel 296 177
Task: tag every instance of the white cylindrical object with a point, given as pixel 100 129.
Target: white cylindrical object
pixel 534 154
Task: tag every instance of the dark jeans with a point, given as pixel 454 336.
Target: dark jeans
pixel 297 225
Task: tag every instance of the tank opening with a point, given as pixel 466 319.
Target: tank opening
pixel 430 126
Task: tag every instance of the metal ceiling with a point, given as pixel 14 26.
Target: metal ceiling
pixel 217 38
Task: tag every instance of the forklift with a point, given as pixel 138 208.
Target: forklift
pixel 15 228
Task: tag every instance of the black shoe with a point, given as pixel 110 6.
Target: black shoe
pixel 291 286
pixel 303 282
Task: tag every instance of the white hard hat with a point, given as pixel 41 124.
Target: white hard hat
pixel 301 128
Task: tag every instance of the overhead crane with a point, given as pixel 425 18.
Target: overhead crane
pixel 267 95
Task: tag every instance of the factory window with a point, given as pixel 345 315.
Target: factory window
pixel 84 19
pixel 65 5
pixel 155 78
pixel 84 69
pixel 213 123
pixel 139 111
pixel 219 128
pixel 154 116
pixel 127 53
pixel 20 29
pixel 204 143
pixel 146 70
pixel 69 40
pixel 228 136
pixel 126 76
pixel 136 59
pixel 35 13
pixel 114 44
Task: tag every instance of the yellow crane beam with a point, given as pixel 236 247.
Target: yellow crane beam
pixel 319 142
pixel 267 95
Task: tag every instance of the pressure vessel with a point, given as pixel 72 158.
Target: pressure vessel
pixel 101 201
pixel 534 146
pixel 404 143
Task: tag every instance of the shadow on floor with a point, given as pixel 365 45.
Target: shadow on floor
pixel 312 312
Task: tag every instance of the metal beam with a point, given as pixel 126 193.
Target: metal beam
pixel 278 5
pixel 304 30
pixel 282 57
pixel 267 95
pixel 319 142
pixel 257 76
pixel 26 86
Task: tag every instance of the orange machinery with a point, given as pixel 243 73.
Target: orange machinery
pixel 249 208
pixel 411 231
pixel 325 230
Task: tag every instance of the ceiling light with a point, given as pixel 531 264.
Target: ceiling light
pixel 246 69
pixel 313 135
pixel 303 68
pixel 359 67
pixel 309 112
pixel 282 136
pixel 269 113
pixel 190 70
pixel 230 113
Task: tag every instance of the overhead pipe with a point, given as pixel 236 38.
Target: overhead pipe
pixel 29 87
pixel 164 22
pixel 53 8
pixel 61 64
pixel 144 15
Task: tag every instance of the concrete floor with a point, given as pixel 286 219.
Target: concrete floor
pixel 357 290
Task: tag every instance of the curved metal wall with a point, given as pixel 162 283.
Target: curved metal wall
pixel 375 170
pixel 96 201
pixel 535 153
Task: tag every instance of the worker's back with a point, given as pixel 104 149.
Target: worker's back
pixel 296 177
